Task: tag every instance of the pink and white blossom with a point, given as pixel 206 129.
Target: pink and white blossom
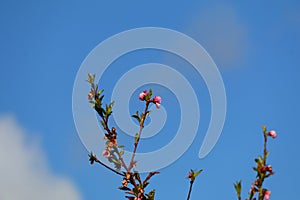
pixel 267 195
pixel 272 134
pixel 157 101
pixel 142 95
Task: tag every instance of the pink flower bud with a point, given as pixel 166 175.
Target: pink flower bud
pixel 272 134
pixel 142 95
pixel 190 175
pixel 90 96
pixel 269 169
pixel 157 101
pixel 267 195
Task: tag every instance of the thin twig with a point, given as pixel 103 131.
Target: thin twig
pixel 104 165
pixel 260 184
pixel 190 190
pixel 139 135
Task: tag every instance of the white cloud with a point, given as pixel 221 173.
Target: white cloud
pixel 24 173
pixel 220 31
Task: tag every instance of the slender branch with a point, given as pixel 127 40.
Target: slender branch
pixel 139 134
pixel 265 149
pixel 190 190
pixel 260 184
pixel 95 159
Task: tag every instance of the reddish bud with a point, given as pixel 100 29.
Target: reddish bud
pixel 269 169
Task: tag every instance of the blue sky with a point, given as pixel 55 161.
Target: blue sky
pixel 254 44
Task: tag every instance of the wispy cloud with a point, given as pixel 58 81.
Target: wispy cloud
pixel 23 168
pixel 221 32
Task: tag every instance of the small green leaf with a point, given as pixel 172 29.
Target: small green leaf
pixel 124 188
pixel 108 110
pixel 145 184
pixel 100 98
pixel 150 195
pixel 148 96
pixel 197 173
pixel 136 116
pixel 122 152
pixel 136 175
pixel 264 128
pixel 100 92
pixel 150 92
pixel 136 138
pixel 238 188
pixel 91 78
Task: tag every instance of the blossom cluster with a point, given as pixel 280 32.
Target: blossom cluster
pixel 145 96
pixel 263 171
pixel 132 184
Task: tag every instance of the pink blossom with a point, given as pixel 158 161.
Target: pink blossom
pixel 272 134
pixel 157 101
pixel 267 195
pixel 90 96
pixel 106 153
pixel 142 95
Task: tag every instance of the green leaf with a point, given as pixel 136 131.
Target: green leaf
pixel 124 188
pixel 264 128
pixel 100 92
pixel 91 78
pixel 122 152
pixel 150 92
pixel 136 175
pixel 150 195
pixel 147 113
pixel 145 184
pixel 238 188
pixel 136 138
pixel 100 98
pixel 197 173
pixel 148 96
pixel 108 110
pixel 136 116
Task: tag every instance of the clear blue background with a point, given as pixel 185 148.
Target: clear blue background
pixel 255 45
